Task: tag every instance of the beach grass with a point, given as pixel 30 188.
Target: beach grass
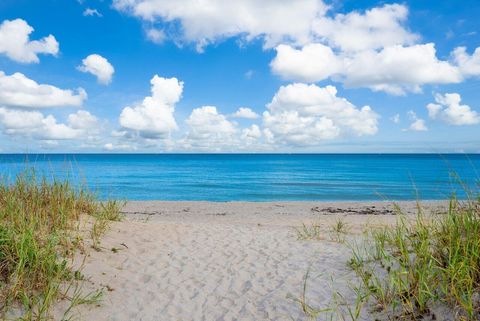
pixel 40 231
pixel 419 267
pixel 424 267
pixel 314 231
pixel 309 232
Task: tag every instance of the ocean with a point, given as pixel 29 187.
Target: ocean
pixel 258 177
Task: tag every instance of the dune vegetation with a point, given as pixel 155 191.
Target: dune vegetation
pixel 424 267
pixel 419 269
pixel 43 225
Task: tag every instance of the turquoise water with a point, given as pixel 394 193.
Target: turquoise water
pixel 254 177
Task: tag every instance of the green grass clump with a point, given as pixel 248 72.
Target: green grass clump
pixel 40 231
pixel 107 211
pixel 309 232
pixel 418 266
pixel 314 231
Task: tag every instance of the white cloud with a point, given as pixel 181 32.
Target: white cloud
pixel 245 112
pixel 372 50
pixel 250 138
pixel 52 130
pixel 417 124
pixel 118 147
pixel 301 114
pixel 89 12
pixel 16 45
pixel 153 117
pixel 99 67
pixel 251 133
pixel 214 20
pixel 108 146
pixel 398 69
pixel 468 64
pixel 298 22
pixel 394 69
pixel 396 118
pixel 18 119
pixel 205 121
pixel 376 28
pixel 81 126
pixel 209 130
pixel 155 35
pixel 449 109
pixel 433 110
pixel 34 124
pixel 82 119
pixel 314 62
pixel 17 90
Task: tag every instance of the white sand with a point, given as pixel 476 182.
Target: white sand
pixel 222 261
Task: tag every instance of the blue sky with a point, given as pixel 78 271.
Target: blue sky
pixel 302 72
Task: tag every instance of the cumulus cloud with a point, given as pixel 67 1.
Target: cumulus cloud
pixel 99 67
pixel 252 133
pixel 51 130
pixel 313 62
pixel 299 115
pixel 245 112
pixel 153 117
pixel 89 12
pixel 398 69
pixel 302 114
pixel 15 42
pixel 18 119
pixel 395 69
pixel 448 108
pixel 372 50
pixel 17 90
pixel 417 124
pixel 468 64
pixel 17 93
pixel 83 120
pixel 35 125
pixel 209 130
pixel 213 20
pixel 376 28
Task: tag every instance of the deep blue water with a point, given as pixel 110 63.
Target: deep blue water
pixel 257 177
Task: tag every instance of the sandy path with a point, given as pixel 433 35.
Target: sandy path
pixel 202 264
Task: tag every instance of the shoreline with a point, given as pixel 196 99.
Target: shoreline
pixel 354 202
pixel 293 208
pixel 294 201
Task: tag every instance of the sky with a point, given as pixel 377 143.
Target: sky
pixel 323 76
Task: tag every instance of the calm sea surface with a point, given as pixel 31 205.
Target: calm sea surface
pixel 253 177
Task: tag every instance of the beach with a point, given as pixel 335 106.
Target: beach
pixel 209 160
pixel 227 260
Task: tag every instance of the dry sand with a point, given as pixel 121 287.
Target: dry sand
pixel 225 261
